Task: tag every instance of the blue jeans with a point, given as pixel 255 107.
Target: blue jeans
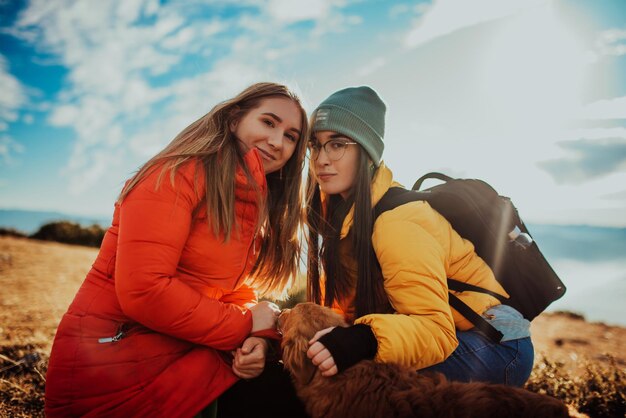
pixel 477 358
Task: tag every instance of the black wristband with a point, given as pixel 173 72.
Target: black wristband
pixel 350 345
pixel 273 350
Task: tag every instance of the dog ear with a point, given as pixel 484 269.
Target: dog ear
pixel 295 359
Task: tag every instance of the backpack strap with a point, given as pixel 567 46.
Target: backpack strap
pixel 454 284
pixel 397 196
pixel 477 320
pixel 431 175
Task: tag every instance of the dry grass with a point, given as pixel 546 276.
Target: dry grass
pixel 599 392
pixel 581 363
pixel 38 281
pixel 22 381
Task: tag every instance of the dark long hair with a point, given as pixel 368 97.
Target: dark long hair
pixel 325 225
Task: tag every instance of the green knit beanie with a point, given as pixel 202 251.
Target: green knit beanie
pixel 358 113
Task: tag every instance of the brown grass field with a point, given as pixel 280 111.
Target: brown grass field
pixel 582 363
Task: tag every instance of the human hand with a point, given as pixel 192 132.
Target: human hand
pixel 320 356
pixel 264 315
pixel 249 359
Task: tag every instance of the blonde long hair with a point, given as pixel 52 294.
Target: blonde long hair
pixel 210 139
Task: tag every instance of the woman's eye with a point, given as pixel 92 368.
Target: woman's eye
pixel 268 122
pixel 337 145
pixel 291 137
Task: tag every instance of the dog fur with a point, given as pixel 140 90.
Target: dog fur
pixel 372 389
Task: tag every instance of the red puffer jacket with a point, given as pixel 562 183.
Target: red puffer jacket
pixel 149 330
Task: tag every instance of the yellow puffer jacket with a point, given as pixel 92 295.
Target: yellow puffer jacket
pixel 417 250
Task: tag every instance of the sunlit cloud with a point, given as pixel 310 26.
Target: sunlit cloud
pixel 13 95
pixel 507 76
pixel 399 10
pixel 447 16
pixel 111 56
pixel 618 196
pixel 12 99
pixel 371 67
pixel 606 109
pixel 290 11
pixel 102 161
pixel 226 80
pixel 520 80
pixel 612 42
pixel 119 55
pixel 326 15
pixel 590 159
pixel 595 133
pixel 533 71
pixel 8 148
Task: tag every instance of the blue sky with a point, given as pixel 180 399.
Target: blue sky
pixel 529 95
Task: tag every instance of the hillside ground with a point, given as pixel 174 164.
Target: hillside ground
pixel 39 279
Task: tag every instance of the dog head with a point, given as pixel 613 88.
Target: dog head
pixel 298 326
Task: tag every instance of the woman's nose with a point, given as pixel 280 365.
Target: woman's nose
pixel 322 158
pixel 275 140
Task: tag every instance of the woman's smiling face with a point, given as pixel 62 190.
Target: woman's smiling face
pixel 273 128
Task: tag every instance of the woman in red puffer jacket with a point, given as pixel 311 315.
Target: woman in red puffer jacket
pixel 202 226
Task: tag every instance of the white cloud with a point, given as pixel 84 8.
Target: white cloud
pixel 371 67
pixel 492 101
pixel 140 71
pixel 111 55
pixel 606 109
pixel 13 95
pixel 92 168
pixel 447 16
pixel 12 99
pixel 120 98
pixel 193 98
pixel 188 36
pixel 291 11
pixel 91 118
pixel 612 42
pixel 518 81
pixel 399 10
pixel 335 23
pixel 8 146
pixel 595 133
pixel 326 16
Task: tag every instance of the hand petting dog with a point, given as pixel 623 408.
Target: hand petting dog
pixel 320 356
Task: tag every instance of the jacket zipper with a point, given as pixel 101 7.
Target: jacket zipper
pixel 120 334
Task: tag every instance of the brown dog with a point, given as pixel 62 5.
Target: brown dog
pixel 371 389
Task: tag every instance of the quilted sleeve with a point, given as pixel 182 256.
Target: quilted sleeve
pixel 154 225
pixel 243 296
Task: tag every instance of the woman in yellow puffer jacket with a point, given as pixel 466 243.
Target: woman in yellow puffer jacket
pixel 399 311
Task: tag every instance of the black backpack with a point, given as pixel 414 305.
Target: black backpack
pixel 490 222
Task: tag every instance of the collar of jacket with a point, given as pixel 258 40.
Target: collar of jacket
pixel 382 181
pixel 243 189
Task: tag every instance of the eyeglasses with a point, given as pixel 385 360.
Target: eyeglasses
pixel 334 149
